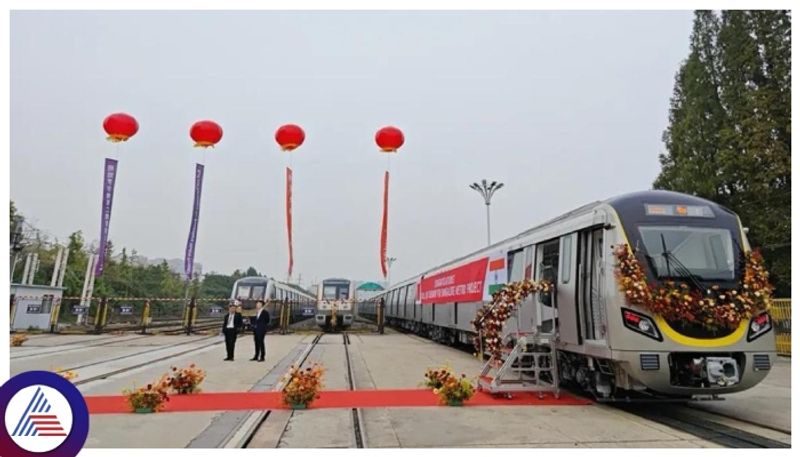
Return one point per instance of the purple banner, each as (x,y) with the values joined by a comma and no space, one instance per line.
(188,259)
(109,177)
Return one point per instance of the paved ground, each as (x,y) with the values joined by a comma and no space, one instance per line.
(385,361)
(768,404)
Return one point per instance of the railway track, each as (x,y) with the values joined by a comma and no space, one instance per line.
(679,417)
(358,420)
(75,346)
(214,340)
(285,417)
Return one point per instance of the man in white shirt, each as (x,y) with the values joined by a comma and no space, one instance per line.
(259,324)
(230,328)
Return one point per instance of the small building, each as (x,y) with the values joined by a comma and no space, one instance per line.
(32,305)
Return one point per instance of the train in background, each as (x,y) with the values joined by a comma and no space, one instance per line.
(604,344)
(335,304)
(248,290)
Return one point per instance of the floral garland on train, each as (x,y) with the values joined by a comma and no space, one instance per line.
(489,320)
(717,308)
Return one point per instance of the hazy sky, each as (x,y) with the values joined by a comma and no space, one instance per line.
(565,108)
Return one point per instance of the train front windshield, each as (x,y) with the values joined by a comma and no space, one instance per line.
(251,291)
(675,252)
(336,291)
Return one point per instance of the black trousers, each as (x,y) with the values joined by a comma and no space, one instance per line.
(261,350)
(230,341)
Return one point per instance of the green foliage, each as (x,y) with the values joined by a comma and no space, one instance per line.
(122,275)
(729,134)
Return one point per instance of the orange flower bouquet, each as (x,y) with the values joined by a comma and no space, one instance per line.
(186,380)
(302,386)
(450,389)
(18,339)
(148,399)
(66,374)
(435,379)
(455,391)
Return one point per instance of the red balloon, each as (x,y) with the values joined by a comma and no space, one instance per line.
(290,136)
(205,133)
(120,127)
(389,139)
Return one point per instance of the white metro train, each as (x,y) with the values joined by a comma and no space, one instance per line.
(604,343)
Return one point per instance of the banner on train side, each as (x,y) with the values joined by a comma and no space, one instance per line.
(461,284)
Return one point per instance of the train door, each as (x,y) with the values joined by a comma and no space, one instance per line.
(567,302)
(590,287)
(547,254)
(525,312)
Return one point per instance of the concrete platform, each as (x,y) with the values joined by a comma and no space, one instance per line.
(391,361)
(767,404)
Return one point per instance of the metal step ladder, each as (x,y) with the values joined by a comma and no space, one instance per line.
(529,365)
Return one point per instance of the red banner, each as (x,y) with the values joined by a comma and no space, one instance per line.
(289,216)
(385,223)
(461,284)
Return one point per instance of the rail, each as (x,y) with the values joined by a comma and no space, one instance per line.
(781,313)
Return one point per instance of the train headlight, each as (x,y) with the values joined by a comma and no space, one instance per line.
(641,324)
(759,325)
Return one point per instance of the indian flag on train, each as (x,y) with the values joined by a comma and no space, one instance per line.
(496,274)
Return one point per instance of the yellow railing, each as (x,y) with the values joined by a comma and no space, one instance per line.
(781,313)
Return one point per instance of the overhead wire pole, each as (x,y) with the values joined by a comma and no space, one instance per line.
(487,191)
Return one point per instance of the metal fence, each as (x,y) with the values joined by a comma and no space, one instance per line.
(781,313)
(117,313)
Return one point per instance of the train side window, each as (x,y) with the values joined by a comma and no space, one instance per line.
(529,262)
(516,266)
(455,313)
(566,256)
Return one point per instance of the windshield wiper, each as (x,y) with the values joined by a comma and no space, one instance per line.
(682,270)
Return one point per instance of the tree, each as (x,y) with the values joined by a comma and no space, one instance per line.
(696,117)
(729,136)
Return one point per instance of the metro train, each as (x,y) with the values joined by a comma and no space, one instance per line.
(248,290)
(335,304)
(604,344)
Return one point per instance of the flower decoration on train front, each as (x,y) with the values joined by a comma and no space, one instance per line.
(713,309)
(489,320)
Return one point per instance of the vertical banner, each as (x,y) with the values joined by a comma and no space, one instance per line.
(289,216)
(385,223)
(109,178)
(188,259)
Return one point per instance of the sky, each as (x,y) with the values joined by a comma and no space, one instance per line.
(565,108)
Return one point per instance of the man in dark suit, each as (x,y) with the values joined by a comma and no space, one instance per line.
(259,324)
(230,328)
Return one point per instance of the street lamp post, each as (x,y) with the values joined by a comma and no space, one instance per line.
(486,191)
(389,262)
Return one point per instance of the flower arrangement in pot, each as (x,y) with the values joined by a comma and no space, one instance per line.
(302,386)
(455,391)
(434,379)
(66,374)
(186,380)
(18,339)
(452,390)
(148,399)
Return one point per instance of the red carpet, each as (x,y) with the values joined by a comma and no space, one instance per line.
(398,398)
